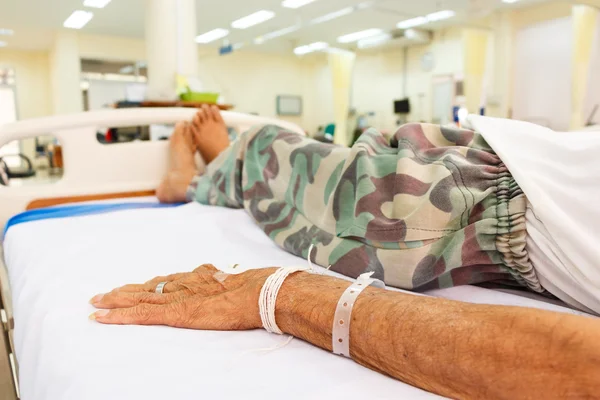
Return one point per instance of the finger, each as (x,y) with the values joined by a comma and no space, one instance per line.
(216,114)
(206,268)
(150,286)
(168,278)
(129,299)
(143,314)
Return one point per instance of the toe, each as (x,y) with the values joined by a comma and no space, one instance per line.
(216,115)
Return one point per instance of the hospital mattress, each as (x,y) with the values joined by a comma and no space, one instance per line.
(57,265)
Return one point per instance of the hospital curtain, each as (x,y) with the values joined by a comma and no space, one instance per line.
(341,64)
(585,19)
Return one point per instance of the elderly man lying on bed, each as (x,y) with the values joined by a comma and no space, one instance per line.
(430,208)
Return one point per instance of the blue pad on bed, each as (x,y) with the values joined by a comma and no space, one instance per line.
(78,210)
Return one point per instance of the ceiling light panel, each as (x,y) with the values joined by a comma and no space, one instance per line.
(6,32)
(296,3)
(253,19)
(440,15)
(276,34)
(3,44)
(353,37)
(309,48)
(211,36)
(374,41)
(78,19)
(96,3)
(411,23)
(333,15)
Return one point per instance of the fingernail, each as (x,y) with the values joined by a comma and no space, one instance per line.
(101,313)
(97,299)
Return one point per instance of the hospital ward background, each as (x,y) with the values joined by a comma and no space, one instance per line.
(91,92)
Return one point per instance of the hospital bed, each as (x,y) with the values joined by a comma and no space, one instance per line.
(51,267)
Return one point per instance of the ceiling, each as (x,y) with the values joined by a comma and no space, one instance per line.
(34,21)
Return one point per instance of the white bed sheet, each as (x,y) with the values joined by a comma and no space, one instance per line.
(56,266)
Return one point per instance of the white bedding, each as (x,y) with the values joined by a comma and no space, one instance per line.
(56,266)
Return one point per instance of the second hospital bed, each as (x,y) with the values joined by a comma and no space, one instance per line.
(52,266)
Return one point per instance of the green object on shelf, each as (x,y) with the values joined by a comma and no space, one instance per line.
(200,97)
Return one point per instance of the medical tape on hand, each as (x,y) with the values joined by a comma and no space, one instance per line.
(268,297)
(340,337)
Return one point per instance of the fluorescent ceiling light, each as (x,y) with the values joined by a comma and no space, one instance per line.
(309,48)
(295,3)
(353,37)
(374,41)
(253,19)
(78,19)
(364,5)
(509,1)
(440,15)
(410,23)
(3,44)
(129,69)
(96,3)
(211,36)
(6,32)
(276,34)
(333,15)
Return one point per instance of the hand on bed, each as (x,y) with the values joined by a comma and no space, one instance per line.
(205,299)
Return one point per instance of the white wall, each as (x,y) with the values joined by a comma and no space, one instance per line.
(542,81)
(448,54)
(32,81)
(251,81)
(379,80)
(111,48)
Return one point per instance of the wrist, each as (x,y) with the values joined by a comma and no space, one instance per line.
(306,306)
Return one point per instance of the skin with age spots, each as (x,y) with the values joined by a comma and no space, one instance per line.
(491,352)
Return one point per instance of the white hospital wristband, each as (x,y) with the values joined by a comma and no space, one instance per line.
(340,337)
(268,297)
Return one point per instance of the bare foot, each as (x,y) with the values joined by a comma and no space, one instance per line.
(182,167)
(210,132)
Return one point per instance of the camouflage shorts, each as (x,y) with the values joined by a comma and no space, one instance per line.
(431,208)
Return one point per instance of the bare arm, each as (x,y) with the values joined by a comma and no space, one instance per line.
(455,349)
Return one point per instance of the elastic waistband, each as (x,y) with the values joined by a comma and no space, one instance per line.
(512,231)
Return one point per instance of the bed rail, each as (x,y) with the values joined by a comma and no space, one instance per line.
(92,168)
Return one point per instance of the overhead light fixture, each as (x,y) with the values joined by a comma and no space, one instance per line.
(295,3)
(374,41)
(78,19)
(509,1)
(440,15)
(253,19)
(128,69)
(410,23)
(276,34)
(3,44)
(310,48)
(436,16)
(333,15)
(6,32)
(96,3)
(353,37)
(211,36)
